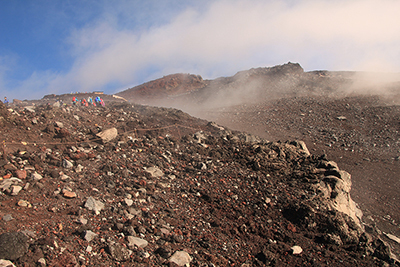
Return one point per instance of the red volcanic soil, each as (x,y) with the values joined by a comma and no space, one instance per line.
(168,86)
(360,133)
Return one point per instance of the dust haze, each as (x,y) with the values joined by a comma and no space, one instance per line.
(128,44)
(266,84)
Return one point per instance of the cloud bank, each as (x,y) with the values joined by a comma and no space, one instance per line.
(223,37)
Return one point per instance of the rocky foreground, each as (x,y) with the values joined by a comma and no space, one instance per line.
(129,185)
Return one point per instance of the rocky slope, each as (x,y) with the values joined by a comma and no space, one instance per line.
(168,87)
(191,92)
(131,185)
(353,117)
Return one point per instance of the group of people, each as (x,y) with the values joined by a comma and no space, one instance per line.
(96,102)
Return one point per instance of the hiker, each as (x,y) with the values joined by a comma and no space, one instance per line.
(97,100)
(84,103)
(6,101)
(74,100)
(90,100)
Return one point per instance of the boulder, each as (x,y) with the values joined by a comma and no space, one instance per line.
(119,252)
(6,263)
(135,241)
(13,245)
(181,258)
(94,205)
(108,135)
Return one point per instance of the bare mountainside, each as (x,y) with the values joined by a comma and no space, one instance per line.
(132,185)
(137,185)
(192,93)
(353,117)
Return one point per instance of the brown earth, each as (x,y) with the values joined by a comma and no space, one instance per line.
(366,143)
(352,117)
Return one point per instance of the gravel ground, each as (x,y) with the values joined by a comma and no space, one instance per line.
(360,133)
(168,189)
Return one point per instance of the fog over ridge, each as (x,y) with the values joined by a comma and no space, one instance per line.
(216,39)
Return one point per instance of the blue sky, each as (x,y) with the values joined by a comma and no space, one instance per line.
(62,46)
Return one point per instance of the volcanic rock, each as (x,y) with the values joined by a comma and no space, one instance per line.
(20,174)
(181,258)
(135,241)
(13,245)
(119,252)
(296,250)
(108,135)
(6,263)
(94,205)
(89,235)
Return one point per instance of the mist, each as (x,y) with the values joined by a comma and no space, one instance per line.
(117,48)
(266,84)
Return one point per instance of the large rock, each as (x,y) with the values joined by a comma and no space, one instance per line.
(67,164)
(155,172)
(88,235)
(337,191)
(119,252)
(181,258)
(6,263)
(135,241)
(94,205)
(13,245)
(108,135)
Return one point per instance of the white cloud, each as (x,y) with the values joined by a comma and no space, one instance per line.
(228,36)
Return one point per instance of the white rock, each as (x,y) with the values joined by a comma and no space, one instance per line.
(30,109)
(15,190)
(24,203)
(181,258)
(42,262)
(59,124)
(6,184)
(79,168)
(135,241)
(81,220)
(36,176)
(64,177)
(6,263)
(67,164)
(108,135)
(393,237)
(95,205)
(296,250)
(89,235)
(128,202)
(154,171)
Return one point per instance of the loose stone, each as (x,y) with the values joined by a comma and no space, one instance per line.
(181,258)
(296,250)
(135,241)
(94,205)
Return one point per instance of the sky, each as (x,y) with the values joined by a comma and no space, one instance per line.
(64,46)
